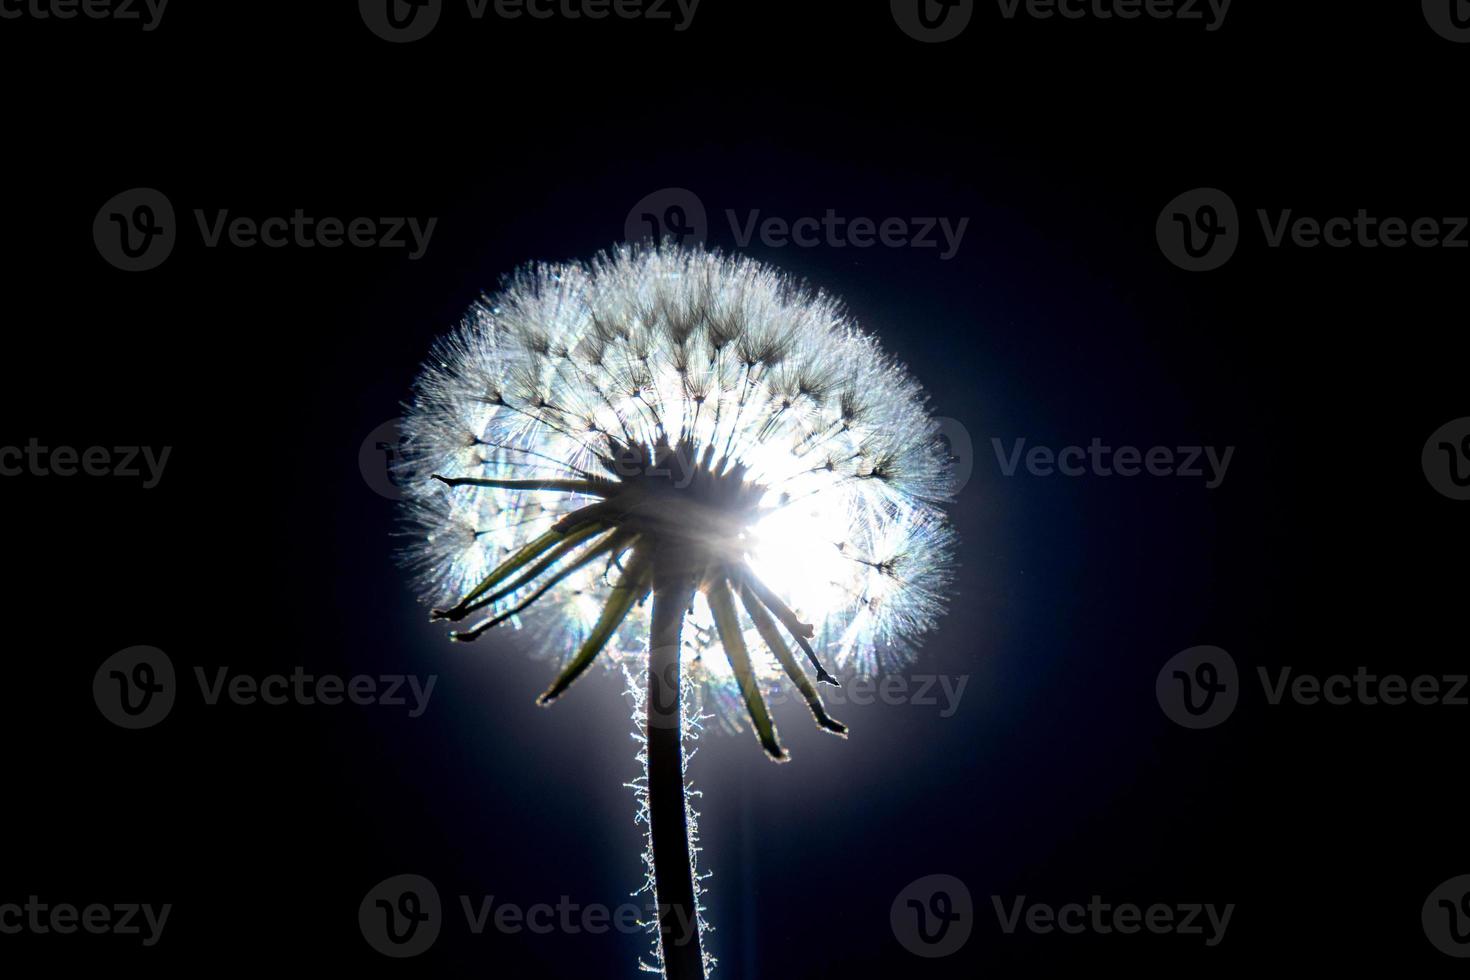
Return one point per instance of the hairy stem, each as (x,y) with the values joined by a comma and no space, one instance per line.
(673,869)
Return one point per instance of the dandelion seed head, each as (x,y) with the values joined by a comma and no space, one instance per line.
(821,467)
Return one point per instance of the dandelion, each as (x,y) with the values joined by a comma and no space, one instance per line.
(697,428)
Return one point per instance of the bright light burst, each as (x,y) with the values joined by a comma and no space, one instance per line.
(546,431)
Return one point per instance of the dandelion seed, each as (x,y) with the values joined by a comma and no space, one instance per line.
(701,429)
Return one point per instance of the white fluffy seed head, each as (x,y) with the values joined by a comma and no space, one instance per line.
(650,345)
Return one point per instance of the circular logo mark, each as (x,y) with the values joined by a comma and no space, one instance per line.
(400,916)
(933,916)
(134,688)
(380,460)
(1446,459)
(674,213)
(1446,917)
(1198,230)
(932,21)
(960,449)
(1198,687)
(1449,18)
(135,230)
(400,21)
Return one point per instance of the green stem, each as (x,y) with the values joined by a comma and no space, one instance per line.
(668,818)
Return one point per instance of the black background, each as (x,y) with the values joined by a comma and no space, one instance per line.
(264,547)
